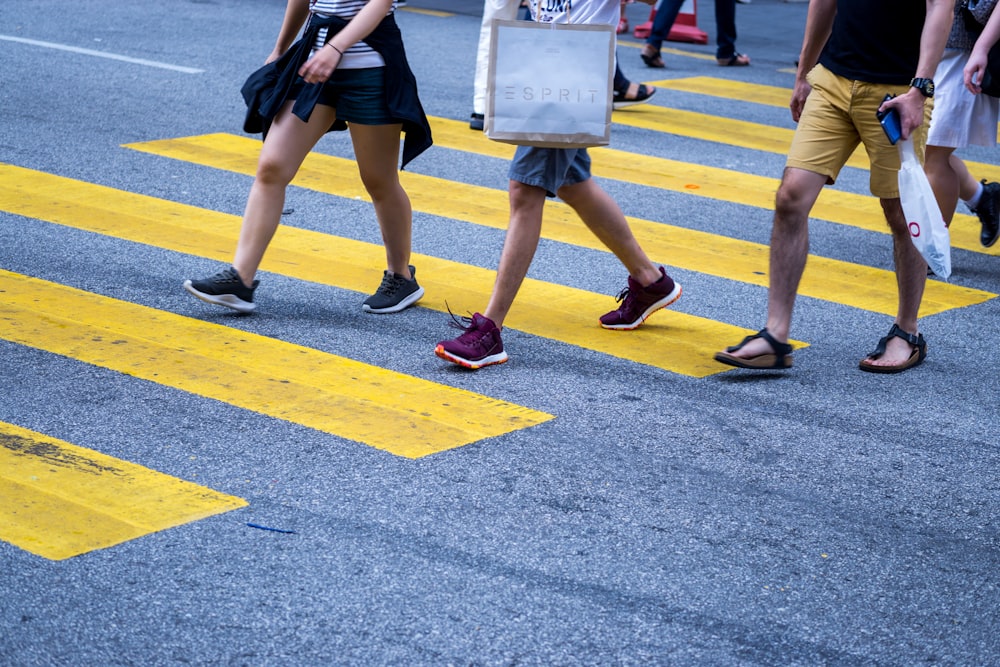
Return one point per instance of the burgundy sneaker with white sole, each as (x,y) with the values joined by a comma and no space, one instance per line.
(479,346)
(638,302)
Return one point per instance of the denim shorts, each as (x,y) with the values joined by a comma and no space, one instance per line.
(358,95)
(549,168)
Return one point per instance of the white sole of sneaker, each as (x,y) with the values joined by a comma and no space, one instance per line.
(402,305)
(662,303)
(226,300)
(491,360)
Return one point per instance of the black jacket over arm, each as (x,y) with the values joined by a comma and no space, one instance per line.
(267,89)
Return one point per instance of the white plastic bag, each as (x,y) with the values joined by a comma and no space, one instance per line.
(923,217)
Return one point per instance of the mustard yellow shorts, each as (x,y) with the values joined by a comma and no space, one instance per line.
(838,115)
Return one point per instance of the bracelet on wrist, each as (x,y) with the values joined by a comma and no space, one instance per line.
(330,44)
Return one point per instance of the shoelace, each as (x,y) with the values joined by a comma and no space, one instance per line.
(390,283)
(227,276)
(458,322)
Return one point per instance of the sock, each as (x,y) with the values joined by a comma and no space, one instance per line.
(973,201)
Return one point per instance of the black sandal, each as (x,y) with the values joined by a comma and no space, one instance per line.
(918,355)
(620,99)
(655,61)
(780,359)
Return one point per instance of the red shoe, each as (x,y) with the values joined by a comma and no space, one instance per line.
(622,25)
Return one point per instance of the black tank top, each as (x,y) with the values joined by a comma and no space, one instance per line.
(875,41)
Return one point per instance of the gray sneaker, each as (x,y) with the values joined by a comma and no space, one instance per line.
(394,294)
(225,288)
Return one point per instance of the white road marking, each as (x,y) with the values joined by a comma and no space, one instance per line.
(102,54)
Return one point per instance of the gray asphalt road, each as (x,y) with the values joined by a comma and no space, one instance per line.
(823,516)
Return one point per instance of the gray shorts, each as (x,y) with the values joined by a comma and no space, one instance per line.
(549,168)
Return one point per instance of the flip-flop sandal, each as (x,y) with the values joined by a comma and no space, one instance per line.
(655,61)
(737,60)
(620,99)
(918,355)
(780,359)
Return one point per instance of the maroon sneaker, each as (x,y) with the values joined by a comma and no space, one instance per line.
(479,346)
(638,302)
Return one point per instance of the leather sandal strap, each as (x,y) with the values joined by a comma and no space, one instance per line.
(781,350)
(914,340)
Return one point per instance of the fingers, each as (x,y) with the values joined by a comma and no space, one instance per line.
(972,78)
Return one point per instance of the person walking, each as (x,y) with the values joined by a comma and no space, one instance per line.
(726,54)
(536,173)
(975,70)
(962,118)
(348,70)
(839,86)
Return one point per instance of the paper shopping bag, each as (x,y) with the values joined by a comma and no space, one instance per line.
(550,84)
(923,216)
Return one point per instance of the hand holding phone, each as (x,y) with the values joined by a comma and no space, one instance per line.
(890,122)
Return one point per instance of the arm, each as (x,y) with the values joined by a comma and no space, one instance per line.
(937,25)
(819,24)
(296,13)
(976,67)
(321,66)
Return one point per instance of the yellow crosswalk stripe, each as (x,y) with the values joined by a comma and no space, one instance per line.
(832,280)
(768,138)
(671,340)
(772,96)
(58,500)
(398,413)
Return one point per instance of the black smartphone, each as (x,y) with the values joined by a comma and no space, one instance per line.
(890,122)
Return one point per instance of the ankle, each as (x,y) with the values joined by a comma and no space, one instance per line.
(243,280)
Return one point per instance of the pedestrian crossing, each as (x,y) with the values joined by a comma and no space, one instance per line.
(58,500)
(558,312)
(827,279)
(360,402)
(332,394)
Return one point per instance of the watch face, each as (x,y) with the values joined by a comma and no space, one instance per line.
(925,86)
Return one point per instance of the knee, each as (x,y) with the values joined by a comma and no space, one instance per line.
(380,185)
(273,172)
(790,203)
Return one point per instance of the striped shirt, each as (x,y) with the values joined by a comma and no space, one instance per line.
(358,56)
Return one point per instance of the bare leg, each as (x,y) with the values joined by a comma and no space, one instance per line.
(789,251)
(288,142)
(523,232)
(911,276)
(605,219)
(938,165)
(376,148)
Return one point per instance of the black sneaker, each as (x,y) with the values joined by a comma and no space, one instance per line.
(394,294)
(225,288)
(476,121)
(988,213)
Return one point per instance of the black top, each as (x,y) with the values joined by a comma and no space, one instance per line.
(267,89)
(875,41)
